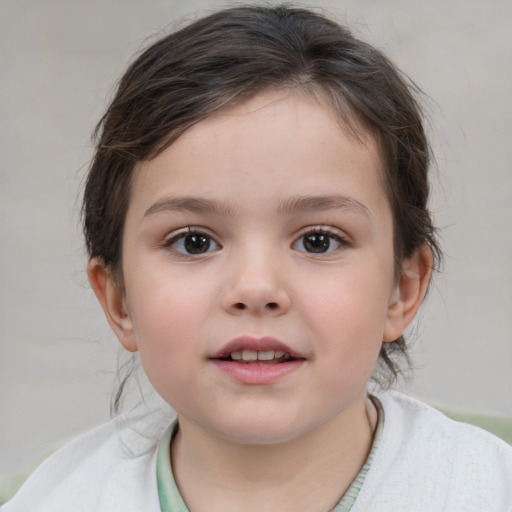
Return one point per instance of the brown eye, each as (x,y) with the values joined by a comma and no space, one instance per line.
(316,242)
(319,242)
(196,244)
(192,244)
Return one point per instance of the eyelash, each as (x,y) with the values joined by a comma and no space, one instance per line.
(340,240)
(182,235)
(320,232)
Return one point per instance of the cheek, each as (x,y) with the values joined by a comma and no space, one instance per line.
(347,314)
(169,299)
(168,314)
(353,298)
(167,349)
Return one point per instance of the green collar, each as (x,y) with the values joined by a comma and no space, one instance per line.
(168,493)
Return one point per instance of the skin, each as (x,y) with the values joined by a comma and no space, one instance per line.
(263,446)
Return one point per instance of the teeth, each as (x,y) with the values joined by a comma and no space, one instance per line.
(258,355)
(265,355)
(249,355)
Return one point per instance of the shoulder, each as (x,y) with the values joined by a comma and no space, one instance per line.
(106,469)
(422,424)
(429,462)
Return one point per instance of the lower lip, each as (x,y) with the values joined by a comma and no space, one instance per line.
(247,373)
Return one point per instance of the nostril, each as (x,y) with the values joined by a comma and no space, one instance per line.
(268,306)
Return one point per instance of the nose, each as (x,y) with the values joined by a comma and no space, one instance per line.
(256,287)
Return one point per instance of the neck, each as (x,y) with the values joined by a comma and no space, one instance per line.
(310,473)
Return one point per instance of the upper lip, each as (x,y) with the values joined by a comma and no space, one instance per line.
(252,343)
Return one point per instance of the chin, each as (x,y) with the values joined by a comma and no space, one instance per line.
(259,432)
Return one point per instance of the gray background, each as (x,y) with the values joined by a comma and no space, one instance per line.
(58,63)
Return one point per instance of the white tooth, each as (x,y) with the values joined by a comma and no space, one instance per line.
(287,356)
(279,354)
(236,356)
(265,355)
(250,355)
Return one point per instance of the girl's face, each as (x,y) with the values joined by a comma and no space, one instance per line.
(263,232)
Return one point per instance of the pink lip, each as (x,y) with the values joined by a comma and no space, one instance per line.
(257,372)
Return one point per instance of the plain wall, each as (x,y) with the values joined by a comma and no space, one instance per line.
(58,63)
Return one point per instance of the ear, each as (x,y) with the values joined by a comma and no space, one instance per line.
(409,293)
(112,300)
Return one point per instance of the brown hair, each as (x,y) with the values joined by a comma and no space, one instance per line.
(231,56)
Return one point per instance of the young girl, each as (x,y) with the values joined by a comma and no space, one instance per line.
(257,225)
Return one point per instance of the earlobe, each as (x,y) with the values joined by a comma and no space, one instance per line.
(409,293)
(112,300)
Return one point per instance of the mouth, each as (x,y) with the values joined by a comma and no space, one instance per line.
(251,350)
(257,361)
(248,356)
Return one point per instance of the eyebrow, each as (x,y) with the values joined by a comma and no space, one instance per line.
(292,205)
(191,204)
(322,203)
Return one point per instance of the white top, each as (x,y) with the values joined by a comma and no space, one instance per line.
(427,462)
(423,462)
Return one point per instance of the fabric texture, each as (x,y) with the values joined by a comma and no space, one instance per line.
(423,462)
(427,462)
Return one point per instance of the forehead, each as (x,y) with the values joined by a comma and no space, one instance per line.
(250,162)
(272,132)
